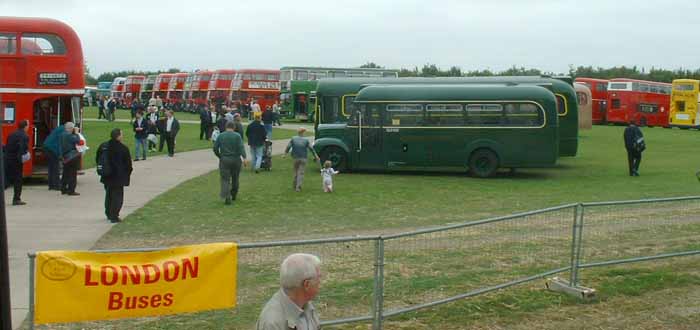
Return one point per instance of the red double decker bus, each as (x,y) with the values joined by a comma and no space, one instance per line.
(219,89)
(147,87)
(599,92)
(41,80)
(160,87)
(132,89)
(645,103)
(198,88)
(263,86)
(176,90)
(118,89)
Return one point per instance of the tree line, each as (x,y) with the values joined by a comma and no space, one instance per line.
(432,70)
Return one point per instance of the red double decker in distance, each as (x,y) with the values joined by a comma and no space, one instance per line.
(132,89)
(198,88)
(645,103)
(219,89)
(599,93)
(176,89)
(160,87)
(260,85)
(41,81)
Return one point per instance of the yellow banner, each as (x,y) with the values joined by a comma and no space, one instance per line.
(74,286)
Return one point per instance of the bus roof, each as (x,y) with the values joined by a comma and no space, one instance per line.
(685,80)
(438,93)
(590,79)
(257,71)
(335,69)
(639,81)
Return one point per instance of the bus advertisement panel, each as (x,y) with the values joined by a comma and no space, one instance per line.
(685,101)
(335,97)
(42,81)
(479,128)
(263,86)
(599,92)
(645,103)
(297,86)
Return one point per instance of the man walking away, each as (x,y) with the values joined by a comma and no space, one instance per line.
(119,175)
(16,153)
(268,118)
(71,159)
(228,147)
(299,146)
(101,107)
(52,147)
(256,140)
(291,307)
(203,123)
(634,143)
(170,128)
(141,136)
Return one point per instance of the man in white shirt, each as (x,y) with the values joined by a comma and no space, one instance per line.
(169,132)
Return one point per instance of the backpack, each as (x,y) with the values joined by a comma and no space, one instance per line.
(104,168)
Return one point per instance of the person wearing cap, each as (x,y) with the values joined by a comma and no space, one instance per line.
(299,146)
(256,135)
(71,159)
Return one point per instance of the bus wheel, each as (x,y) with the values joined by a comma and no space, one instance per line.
(483,163)
(336,155)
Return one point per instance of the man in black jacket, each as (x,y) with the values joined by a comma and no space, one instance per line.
(140,135)
(71,159)
(634,144)
(169,128)
(256,135)
(119,174)
(17,146)
(203,123)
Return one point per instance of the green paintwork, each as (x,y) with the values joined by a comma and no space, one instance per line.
(568,124)
(297,88)
(376,145)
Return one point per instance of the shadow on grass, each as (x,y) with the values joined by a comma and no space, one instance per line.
(500,175)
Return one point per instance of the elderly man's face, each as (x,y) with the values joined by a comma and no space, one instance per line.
(313,286)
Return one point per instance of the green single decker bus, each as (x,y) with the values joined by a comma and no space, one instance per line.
(479,128)
(336,98)
(298,86)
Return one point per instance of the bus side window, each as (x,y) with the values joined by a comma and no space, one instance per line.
(8,43)
(484,115)
(445,115)
(404,115)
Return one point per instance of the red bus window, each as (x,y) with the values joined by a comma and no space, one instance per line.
(8,43)
(42,44)
(7,111)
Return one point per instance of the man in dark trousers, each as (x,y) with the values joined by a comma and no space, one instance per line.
(170,126)
(228,147)
(119,176)
(17,146)
(140,135)
(111,108)
(203,123)
(71,159)
(634,143)
(256,140)
(101,107)
(134,109)
(52,147)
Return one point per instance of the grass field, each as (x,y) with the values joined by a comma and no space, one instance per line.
(97,132)
(660,295)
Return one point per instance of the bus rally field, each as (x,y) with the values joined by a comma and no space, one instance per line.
(366,203)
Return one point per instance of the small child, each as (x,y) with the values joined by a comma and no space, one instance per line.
(327,173)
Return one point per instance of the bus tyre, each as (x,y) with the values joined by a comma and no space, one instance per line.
(336,155)
(483,163)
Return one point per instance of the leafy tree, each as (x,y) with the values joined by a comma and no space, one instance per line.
(371,65)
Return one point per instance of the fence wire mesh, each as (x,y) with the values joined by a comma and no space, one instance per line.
(348,277)
(616,232)
(423,268)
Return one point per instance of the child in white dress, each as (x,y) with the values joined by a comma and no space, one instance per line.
(327,173)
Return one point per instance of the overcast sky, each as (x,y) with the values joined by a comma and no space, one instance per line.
(489,34)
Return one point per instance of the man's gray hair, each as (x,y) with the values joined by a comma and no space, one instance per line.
(297,268)
(69,126)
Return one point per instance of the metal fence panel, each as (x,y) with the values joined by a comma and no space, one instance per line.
(432,266)
(636,230)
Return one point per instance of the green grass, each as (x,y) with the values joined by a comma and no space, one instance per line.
(439,265)
(91,113)
(97,132)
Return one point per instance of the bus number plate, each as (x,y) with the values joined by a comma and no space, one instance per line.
(682,116)
(392,130)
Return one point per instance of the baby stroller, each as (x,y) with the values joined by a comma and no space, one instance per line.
(266,163)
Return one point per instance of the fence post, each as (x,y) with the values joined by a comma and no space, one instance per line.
(378,304)
(576,244)
(32,262)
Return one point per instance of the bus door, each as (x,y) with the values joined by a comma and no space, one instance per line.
(300,106)
(369,148)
